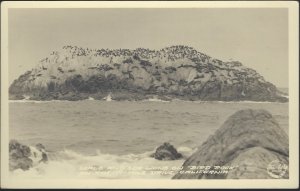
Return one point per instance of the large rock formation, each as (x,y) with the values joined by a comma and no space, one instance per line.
(251,141)
(166,152)
(24,157)
(74,73)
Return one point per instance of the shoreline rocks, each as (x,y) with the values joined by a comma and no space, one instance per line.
(249,140)
(24,157)
(19,156)
(166,152)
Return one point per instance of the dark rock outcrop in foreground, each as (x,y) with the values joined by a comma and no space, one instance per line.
(166,152)
(250,140)
(22,157)
(180,72)
(19,156)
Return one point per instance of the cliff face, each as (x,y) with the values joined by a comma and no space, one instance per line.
(251,141)
(175,72)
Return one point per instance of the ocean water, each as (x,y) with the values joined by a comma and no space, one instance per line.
(100,139)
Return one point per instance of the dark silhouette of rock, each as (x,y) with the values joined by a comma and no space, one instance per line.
(19,156)
(166,152)
(249,141)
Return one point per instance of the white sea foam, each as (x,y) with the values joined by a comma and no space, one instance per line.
(108,97)
(90,98)
(36,156)
(284,95)
(69,164)
(186,150)
(156,100)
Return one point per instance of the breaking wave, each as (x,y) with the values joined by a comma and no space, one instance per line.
(73,165)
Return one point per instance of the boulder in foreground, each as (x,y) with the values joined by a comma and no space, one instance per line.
(24,157)
(19,156)
(166,152)
(251,141)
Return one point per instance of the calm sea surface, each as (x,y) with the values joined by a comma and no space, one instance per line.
(92,132)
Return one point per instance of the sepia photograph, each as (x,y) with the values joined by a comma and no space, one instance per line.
(144,94)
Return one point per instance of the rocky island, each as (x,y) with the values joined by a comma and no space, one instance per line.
(176,72)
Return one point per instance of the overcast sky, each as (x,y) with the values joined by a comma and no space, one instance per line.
(256,37)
